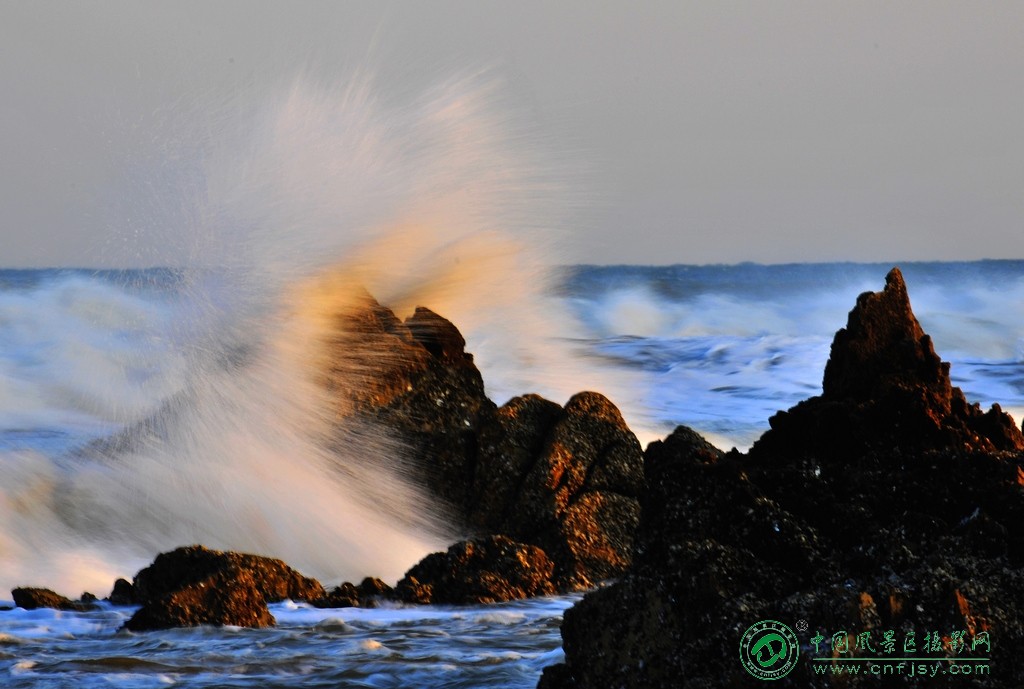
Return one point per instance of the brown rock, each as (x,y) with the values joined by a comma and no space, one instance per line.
(412,590)
(422,386)
(32,598)
(593,540)
(510,443)
(439,337)
(195,585)
(885,387)
(372,591)
(174,570)
(228,597)
(589,448)
(344,595)
(486,570)
(566,480)
(883,347)
(369,594)
(369,332)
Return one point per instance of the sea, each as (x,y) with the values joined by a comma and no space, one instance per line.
(130,425)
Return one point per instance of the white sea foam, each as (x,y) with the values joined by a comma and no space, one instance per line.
(231,441)
(723,348)
(80,353)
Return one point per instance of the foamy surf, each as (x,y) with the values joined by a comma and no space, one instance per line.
(722,348)
(192,412)
(503,645)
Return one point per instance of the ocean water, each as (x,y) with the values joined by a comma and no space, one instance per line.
(218,452)
(722,348)
(463,648)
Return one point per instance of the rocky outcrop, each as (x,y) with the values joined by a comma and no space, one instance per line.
(370,593)
(123,593)
(30,598)
(194,586)
(230,597)
(565,480)
(415,379)
(884,504)
(487,570)
(885,387)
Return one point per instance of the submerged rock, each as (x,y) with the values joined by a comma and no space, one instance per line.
(194,585)
(30,598)
(487,570)
(565,480)
(887,503)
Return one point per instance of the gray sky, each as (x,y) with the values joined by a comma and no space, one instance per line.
(709,131)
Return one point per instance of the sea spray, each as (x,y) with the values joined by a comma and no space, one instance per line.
(296,207)
(722,348)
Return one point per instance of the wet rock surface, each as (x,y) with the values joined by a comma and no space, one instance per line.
(885,388)
(194,585)
(486,570)
(225,598)
(369,593)
(887,503)
(123,593)
(30,598)
(566,480)
(422,387)
(549,495)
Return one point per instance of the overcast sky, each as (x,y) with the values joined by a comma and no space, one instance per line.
(710,131)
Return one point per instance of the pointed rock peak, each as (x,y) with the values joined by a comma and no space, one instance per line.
(438,335)
(885,387)
(894,283)
(883,347)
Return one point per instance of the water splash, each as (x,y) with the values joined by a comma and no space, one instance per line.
(296,207)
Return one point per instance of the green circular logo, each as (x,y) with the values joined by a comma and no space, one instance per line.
(768,650)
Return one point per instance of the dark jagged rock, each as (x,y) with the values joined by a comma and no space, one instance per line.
(422,386)
(32,598)
(883,347)
(850,514)
(368,594)
(344,595)
(439,337)
(509,444)
(563,479)
(485,570)
(567,480)
(885,387)
(372,590)
(123,593)
(195,585)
